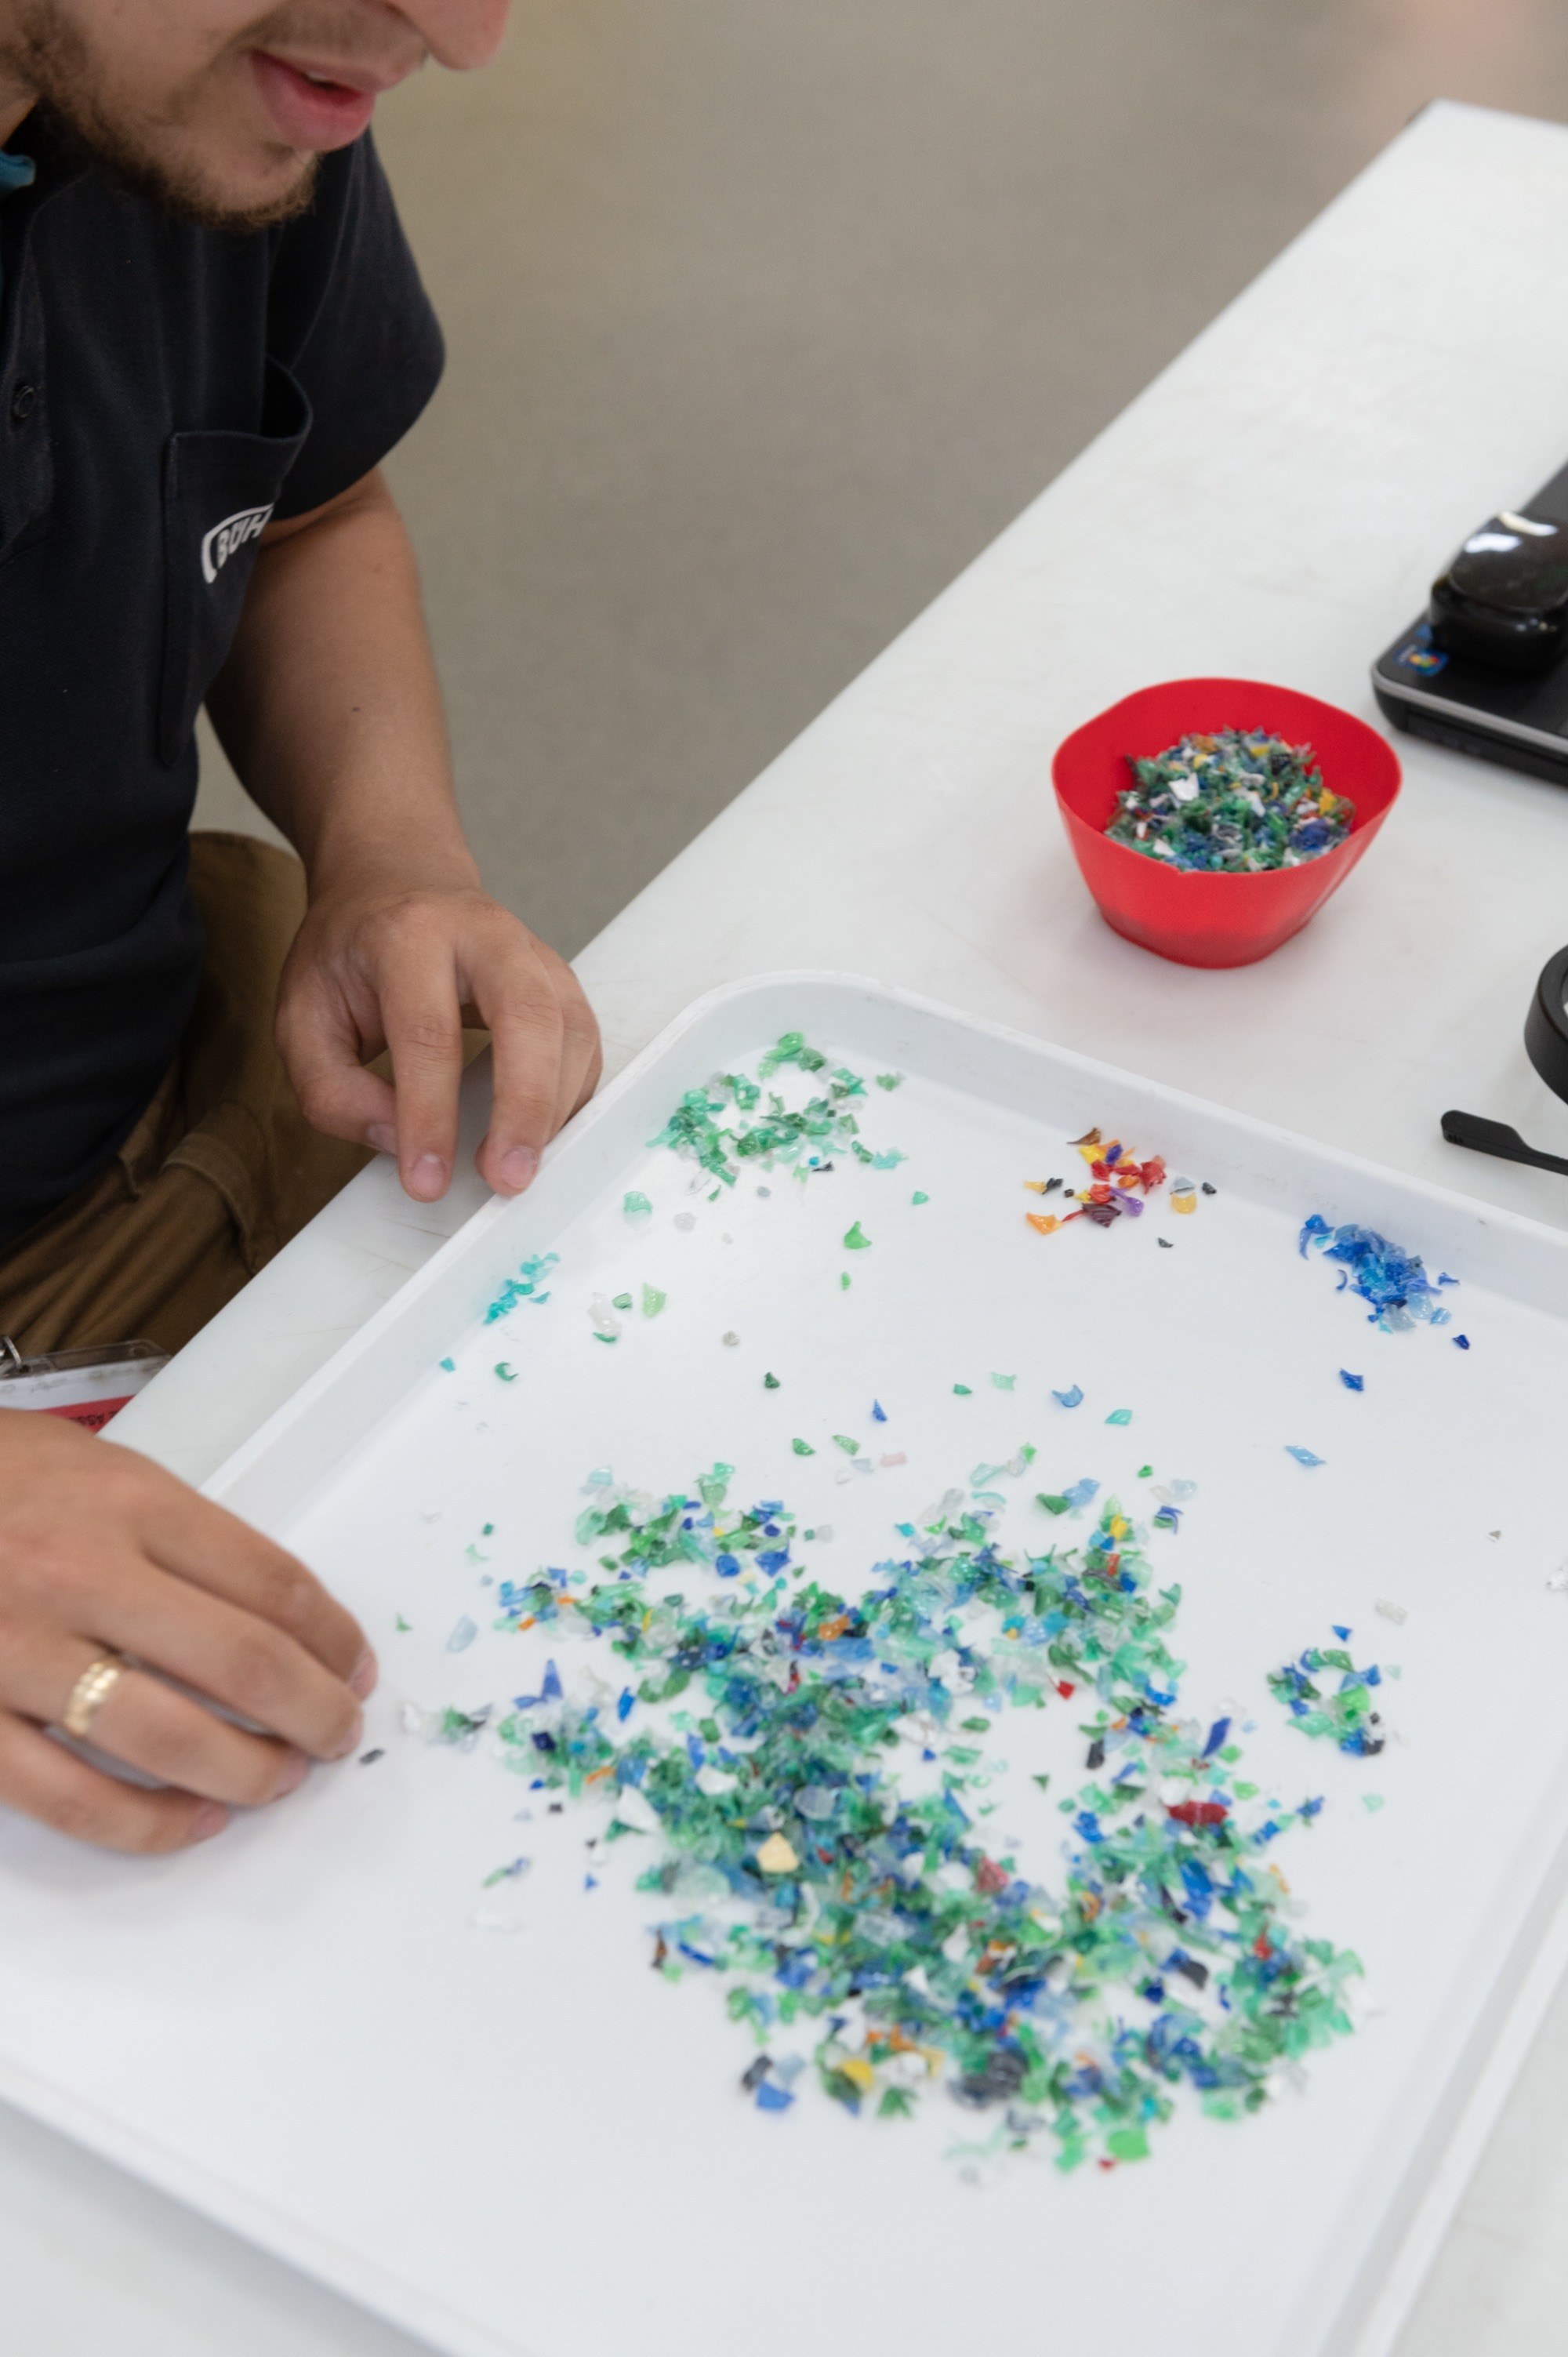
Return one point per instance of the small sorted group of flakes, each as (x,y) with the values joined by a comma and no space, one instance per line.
(1119,1184)
(1342,1713)
(524,1287)
(732,1120)
(1238,802)
(605,1313)
(807,1771)
(1394,1281)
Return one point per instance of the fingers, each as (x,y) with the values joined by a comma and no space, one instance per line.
(201,1543)
(546,1047)
(43,1780)
(421,1015)
(245,1664)
(146,1723)
(321,1047)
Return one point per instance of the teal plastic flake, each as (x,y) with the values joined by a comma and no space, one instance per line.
(524,1287)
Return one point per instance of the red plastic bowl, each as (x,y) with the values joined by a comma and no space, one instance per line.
(1205,919)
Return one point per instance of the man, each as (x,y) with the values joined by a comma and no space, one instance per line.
(211,332)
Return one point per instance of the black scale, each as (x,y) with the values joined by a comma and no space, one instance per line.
(1484,669)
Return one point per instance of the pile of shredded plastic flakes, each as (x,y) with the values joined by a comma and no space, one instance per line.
(1235,804)
(1394,1281)
(800,1775)
(727,1121)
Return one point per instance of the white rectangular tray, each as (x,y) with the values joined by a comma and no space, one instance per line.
(531,2143)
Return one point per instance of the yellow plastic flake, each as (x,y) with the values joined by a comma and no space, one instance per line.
(858,2072)
(776,1857)
(1184,1200)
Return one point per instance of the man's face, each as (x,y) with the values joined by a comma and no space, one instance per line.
(219,113)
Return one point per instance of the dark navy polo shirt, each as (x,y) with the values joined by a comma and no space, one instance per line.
(164,390)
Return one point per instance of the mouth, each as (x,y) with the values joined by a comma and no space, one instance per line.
(317,108)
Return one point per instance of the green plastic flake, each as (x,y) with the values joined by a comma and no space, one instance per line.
(403,1626)
(637,1207)
(506,1371)
(799,1853)
(1120,1416)
(653,1300)
(802,1448)
(770,1382)
(623,1301)
(889,1079)
(1053,1502)
(1004,1382)
(850,1447)
(1236,802)
(450,1366)
(856,1239)
(963,1390)
(844,1281)
(727,1123)
(917,1197)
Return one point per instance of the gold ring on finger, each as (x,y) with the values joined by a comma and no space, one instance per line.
(91,1692)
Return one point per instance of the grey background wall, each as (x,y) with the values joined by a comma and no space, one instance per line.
(765,315)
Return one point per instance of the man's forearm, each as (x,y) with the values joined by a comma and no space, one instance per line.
(330,710)
(329,706)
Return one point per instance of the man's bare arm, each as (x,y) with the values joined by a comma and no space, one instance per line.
(330,710)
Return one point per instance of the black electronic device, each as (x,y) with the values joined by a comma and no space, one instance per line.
(1484,669)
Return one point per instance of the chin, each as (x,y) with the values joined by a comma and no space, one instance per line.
(277,185)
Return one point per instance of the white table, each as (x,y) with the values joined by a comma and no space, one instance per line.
(1273,506)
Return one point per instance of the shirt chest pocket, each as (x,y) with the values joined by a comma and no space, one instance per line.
(220,490)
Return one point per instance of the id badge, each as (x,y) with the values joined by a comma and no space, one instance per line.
(88,1386)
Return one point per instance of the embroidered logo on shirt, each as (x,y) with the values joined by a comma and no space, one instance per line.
(220,544)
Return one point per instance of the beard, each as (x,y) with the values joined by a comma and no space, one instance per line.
(47,52)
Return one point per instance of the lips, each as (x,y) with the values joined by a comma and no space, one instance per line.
(307,113)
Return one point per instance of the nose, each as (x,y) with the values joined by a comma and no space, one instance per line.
(459,34)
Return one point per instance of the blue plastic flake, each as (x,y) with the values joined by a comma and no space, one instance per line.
(879,1413)
(1302,1456)
(462,1636)
(1073,1398)
(1352,1382)
(1395,1282)
(1461,1341)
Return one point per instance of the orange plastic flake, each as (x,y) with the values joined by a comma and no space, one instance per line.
(1046,1223)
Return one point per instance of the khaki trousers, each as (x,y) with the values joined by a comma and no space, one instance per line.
(220,1170)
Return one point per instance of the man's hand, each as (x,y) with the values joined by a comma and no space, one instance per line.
(101,1551)
(328,709)
(393,965)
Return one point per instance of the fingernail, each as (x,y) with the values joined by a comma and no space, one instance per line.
(209,1819)
(520,1166)
(363,1681)
(428,1177)
(291,1776)
(382,1137)
(349,1740)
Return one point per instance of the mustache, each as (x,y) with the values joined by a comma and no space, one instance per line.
(349,32)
